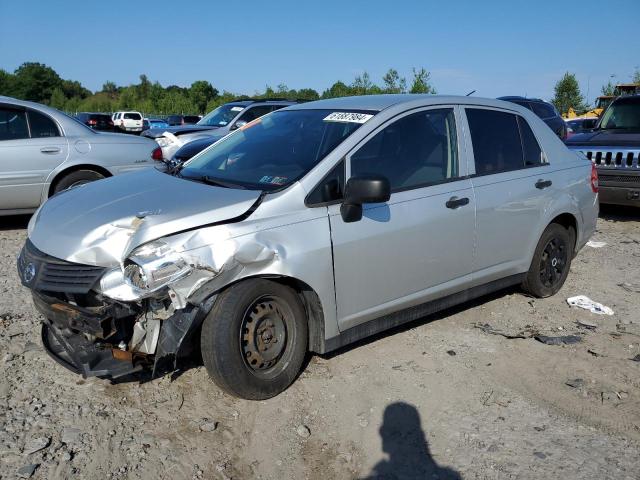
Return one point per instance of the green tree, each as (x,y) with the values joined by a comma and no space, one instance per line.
(58,99)
(109,88)
(608,89)
(7,83)
(307,94)
(72,88)
(421,83)
(338,89)
(362,85)
(393,83)
(36,82)
(201,93)
(635,78)
(567,95)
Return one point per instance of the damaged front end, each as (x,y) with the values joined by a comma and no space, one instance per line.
(134,326)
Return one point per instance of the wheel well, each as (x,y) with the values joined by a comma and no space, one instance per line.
(94,168)
(313,307)
(567,220)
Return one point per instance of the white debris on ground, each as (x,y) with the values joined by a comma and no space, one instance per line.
(588,304)
(594,244)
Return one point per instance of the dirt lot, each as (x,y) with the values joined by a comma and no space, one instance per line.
(441,398)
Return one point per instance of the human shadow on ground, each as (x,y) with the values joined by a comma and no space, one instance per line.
(405,443)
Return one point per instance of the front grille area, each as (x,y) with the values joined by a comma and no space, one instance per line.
(43,272)
(613,158)
(630,180)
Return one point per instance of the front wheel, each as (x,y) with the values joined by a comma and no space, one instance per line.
(551,261)
(254,339)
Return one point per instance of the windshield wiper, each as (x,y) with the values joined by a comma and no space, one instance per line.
(216,182)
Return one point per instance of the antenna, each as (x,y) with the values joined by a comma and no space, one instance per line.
(470,93)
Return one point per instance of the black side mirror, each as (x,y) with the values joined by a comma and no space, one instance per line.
(360,190)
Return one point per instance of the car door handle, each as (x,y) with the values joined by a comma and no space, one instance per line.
(50,149)
(455,202)
(540,184)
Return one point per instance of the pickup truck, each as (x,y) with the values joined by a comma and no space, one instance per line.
(613,145)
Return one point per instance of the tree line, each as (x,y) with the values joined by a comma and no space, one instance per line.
(40,83)
(567,93)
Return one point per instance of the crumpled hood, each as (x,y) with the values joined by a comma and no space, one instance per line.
(101,222)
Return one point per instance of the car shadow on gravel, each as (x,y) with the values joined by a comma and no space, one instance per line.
(14,222)
(405,443)
(619,213)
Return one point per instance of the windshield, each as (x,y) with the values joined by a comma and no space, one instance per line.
(221,116)
(274,151)
(623,114)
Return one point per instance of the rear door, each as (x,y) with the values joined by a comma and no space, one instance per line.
(31,146)
(512,184)
(419,244)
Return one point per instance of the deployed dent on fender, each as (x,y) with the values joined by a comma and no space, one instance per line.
(101,222)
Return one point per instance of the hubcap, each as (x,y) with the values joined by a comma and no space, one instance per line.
(553,262)
(263,334)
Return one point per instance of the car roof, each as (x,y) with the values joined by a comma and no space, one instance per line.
(628,99)
(511,98)
(382,102)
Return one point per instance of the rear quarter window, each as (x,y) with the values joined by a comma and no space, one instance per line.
(42,126)
(543,110)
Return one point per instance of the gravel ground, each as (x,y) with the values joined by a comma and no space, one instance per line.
(446,397)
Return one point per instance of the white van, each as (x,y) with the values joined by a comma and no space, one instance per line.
(127,121)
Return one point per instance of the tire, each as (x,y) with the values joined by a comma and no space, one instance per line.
(266,357)
(551,261)
(73,179)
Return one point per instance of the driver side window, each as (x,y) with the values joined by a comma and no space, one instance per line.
(256,112)
(416,151)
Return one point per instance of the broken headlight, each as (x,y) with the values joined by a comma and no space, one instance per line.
(153,266)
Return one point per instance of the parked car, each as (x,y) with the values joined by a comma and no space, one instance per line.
(579,125)
(190,149)
(310,228)
(544,110)
(215,124)
(128,122)
(96,121)
(43,151)
(148,123)
(613,145)
(174,120)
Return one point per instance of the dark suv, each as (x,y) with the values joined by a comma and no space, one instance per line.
(614,146)
(175,120)
(545,111)
(96,121)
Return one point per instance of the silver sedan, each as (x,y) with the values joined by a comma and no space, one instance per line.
(44,151)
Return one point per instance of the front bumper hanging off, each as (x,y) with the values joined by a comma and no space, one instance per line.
(93,343)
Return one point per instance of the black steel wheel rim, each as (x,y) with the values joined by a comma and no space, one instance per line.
(264,335)
(553,262)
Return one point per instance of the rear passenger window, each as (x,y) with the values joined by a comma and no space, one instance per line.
(496,141)
(13,124)
(532,151)
(42,126)
(255,112)
(543,110)
(417,150)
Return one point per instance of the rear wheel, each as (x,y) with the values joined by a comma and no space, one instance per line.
(74,179)
(551,261)
(254,339)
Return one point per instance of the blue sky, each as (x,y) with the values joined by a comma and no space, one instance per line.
(495,47)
